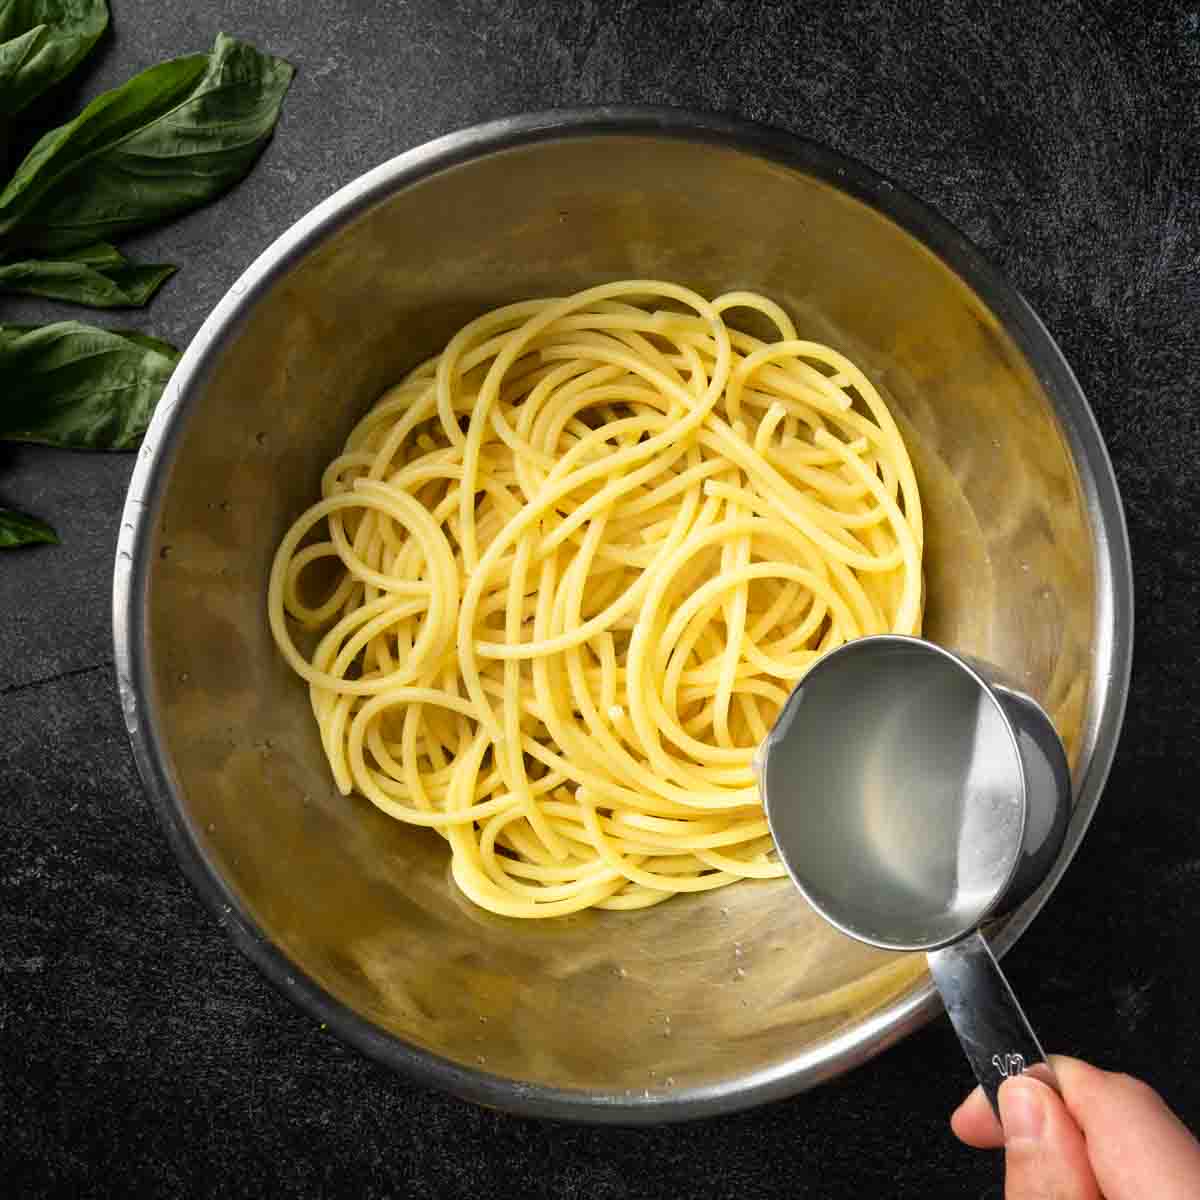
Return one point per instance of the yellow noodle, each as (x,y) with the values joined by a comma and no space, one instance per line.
(566,573)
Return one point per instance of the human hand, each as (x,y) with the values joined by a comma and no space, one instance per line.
(1108,1137)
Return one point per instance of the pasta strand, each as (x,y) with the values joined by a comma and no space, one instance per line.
(563,576)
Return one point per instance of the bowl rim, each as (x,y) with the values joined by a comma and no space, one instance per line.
(1113,619)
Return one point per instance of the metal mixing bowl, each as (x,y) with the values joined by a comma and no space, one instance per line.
(706,1003)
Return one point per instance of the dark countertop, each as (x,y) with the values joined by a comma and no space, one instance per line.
(140,1054)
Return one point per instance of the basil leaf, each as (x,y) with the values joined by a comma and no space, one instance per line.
(149,343)
(170,139)
(41,43)
(98,275)
(20,529)
(70,384)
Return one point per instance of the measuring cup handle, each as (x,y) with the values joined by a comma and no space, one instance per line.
(994,1033)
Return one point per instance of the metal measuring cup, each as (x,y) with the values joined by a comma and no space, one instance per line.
(913,795)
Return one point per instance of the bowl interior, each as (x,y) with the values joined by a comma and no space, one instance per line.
(703,993)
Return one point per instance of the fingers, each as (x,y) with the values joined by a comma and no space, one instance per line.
(974,1122)
(1136,1145)
(1045,1155)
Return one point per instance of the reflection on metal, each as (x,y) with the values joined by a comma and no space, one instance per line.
(352,914)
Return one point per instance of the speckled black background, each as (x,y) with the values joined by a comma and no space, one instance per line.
(141,1055)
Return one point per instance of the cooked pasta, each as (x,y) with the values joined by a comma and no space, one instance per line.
(568,572)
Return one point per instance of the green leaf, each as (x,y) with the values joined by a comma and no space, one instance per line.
(98,275)
(41,43)
(20,529)
(98,254)
(70,384)
(150,343)
(172,138)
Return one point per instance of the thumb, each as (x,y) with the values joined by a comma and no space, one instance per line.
(1045,1155)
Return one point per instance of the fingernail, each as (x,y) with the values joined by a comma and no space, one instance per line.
(1021,1111)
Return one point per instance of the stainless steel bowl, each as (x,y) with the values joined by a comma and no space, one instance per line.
(707,1003)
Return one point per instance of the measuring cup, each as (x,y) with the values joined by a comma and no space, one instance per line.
(913,795)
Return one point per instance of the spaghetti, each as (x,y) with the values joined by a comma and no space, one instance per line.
(579,560)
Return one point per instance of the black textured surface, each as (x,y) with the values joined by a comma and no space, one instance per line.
(141,1055)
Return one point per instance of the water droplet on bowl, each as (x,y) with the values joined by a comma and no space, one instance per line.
(165,552)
